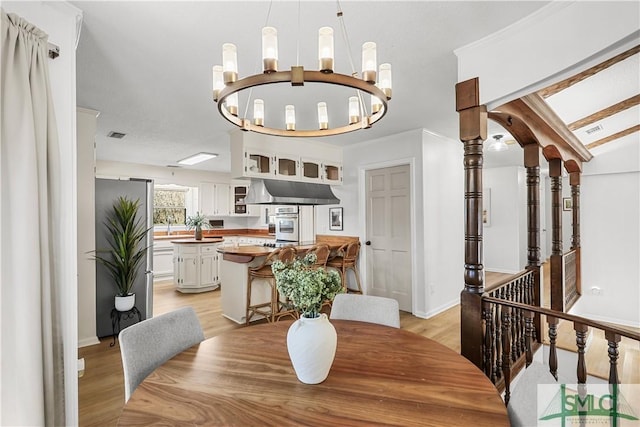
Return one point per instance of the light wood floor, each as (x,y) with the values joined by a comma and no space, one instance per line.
(101,389)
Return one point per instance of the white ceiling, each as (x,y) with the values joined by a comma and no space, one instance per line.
(146,66)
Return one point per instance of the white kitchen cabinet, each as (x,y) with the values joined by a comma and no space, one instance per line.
(288,167)
(237,206)
(195,267)
(214,199)
(332,173)
(162,259)
(263,156)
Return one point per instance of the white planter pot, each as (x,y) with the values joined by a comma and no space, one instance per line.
(125,303)
(312,347)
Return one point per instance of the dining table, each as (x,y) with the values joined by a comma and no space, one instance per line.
(380,376)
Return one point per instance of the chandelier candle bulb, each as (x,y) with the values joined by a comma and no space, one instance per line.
(325,49)
(232,104)
(376,104)
(323,116)
(369,62)
(218,82)
(290,117)
(269,49)
(385,79)
(354,110)
(229,63)
(258,112)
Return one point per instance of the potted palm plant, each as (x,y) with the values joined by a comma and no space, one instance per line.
(127,251)
(198,222)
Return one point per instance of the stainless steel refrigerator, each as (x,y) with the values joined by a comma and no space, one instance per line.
(107,191)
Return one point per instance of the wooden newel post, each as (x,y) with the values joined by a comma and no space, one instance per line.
(574,182)
(557,267)
(473,132)
(532,165)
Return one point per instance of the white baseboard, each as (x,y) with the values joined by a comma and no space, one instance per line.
(500,270)
(576,310)
(85,342)
(442,307)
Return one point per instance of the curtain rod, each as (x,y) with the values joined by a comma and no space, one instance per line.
(54,50)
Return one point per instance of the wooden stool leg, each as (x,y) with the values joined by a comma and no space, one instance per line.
(274,300)
(247,315)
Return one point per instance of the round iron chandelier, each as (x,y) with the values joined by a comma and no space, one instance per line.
(374,81)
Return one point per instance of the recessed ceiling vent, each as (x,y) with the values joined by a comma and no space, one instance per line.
(118,135)
(594,129)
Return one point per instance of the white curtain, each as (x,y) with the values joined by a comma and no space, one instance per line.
(32,380)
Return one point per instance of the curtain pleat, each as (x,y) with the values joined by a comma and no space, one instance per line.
(32,372)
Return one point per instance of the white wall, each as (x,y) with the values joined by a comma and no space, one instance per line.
(58,19)
(86,228)
(437,210)
(610,234)
(505,239)
(443,207)
(159,174)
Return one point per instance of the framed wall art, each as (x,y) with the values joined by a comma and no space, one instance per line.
(335,219)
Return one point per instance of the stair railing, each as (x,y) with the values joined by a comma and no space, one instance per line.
(506,310)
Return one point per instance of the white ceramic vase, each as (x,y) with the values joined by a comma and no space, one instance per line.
(125,303)
(312,346)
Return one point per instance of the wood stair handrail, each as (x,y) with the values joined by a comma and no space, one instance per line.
(566,316)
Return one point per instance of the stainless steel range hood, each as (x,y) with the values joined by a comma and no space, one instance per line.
(276,192)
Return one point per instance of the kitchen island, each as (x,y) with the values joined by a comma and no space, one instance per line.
(196,264)
(236,260)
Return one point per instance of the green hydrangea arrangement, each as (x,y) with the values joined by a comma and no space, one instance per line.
(306,287)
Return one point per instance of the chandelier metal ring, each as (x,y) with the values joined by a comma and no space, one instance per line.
(297,78)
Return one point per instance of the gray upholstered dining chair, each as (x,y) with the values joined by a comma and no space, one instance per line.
(366,308)
(146,345)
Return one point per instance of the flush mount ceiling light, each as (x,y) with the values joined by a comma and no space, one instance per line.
(226,86)
(197,158)
(497,144)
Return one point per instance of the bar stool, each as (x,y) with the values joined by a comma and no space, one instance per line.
(287,255)
(270,309)
(348,260)
(322,252)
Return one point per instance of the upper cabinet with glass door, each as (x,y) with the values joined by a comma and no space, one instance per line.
(292,159)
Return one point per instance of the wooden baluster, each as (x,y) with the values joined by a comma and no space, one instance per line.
(553,354)
(487,359)
(498,341)
(517,317)
(523,324)
(581,342)
(613,340)
(528,318)
(506,351)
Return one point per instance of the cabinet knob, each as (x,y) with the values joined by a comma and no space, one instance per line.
(368,243)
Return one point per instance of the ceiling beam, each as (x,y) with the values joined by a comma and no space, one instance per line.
(613,137)
(607,112)
(555,88)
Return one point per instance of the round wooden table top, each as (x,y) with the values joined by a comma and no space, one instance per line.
(380,375)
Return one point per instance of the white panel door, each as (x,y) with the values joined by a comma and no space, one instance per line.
(388,196)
